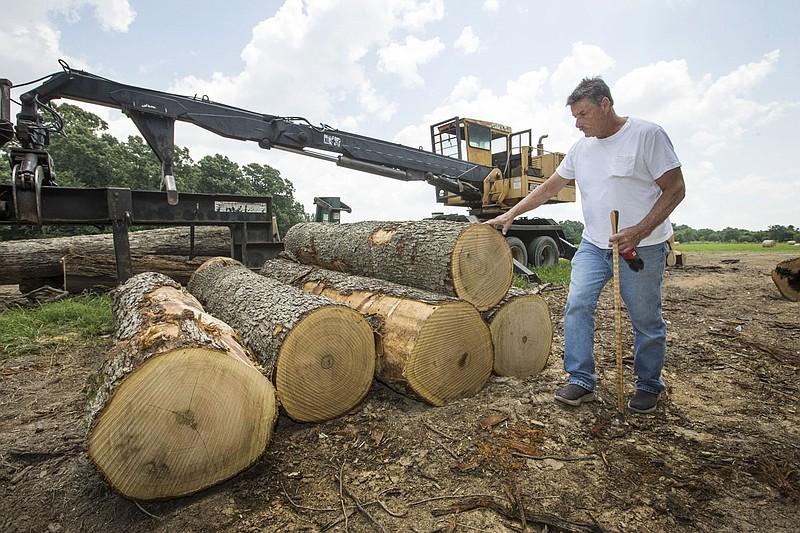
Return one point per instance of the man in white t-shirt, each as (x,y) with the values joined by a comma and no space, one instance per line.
(627,165)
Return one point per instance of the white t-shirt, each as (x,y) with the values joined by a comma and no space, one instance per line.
(619,173)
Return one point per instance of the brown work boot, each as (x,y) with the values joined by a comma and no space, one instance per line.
(573,394)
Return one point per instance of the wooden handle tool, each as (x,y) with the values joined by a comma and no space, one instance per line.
(617,317)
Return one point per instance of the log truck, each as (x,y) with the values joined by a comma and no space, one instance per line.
(479,165)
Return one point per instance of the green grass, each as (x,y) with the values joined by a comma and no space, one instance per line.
(556,274)
(750,247)
(29,331)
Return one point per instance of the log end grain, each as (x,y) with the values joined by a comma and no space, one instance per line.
(326,364)
(184,421)
(453,355)
(481,266)
(522,333)
(786,276)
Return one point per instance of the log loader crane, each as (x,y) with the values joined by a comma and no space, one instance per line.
(479,165)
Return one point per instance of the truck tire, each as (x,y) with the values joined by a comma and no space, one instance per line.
(543,251)
(518,250)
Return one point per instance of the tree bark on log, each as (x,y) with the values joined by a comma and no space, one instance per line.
(522,333)
(468,261)
(179,405)
(429,346)
(87,272)
(35,259)
(786,276)
(320,353)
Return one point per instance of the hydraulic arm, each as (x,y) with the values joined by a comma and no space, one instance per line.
(155,113)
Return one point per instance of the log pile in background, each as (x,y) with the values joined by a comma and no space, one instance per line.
(522,333)
(675,258)
(179,405)
(321,354)
(86,272)
(786,276)
(33,263)
(433,347)
(469,261)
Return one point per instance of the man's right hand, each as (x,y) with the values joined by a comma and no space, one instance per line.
(503,220)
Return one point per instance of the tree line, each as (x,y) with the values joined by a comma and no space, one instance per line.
(684,233)
(86,155)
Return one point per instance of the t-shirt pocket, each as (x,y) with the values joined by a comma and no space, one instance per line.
(622,166)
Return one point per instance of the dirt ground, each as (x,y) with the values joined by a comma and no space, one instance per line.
(721,453)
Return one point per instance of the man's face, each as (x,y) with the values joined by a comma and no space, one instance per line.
(590,118)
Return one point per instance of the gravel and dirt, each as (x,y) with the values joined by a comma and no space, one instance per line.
(721,453)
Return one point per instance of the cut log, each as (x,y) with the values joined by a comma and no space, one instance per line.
(179,404)
(319,353)
(786,276)
(522,333)
(432,347)
(40,259)
(671,252)
(469,261)
(88,272)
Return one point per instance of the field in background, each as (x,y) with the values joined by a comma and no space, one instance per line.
(750,247)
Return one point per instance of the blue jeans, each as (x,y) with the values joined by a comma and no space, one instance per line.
(592,268)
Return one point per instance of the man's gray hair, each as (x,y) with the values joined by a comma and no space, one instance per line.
(595,89)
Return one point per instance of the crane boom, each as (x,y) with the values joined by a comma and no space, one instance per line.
(155,113)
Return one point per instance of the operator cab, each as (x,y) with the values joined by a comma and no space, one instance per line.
(523,167)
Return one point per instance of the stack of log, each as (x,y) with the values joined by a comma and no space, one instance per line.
(426,307)
(429,346)
(470,262)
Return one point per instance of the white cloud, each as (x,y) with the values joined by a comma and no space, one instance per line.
(404,59)
(737,201)
(28,35)
(418,14)
(491,5)
(311,58)
(374,103)
(467,42)
(584,60)
(114,15)
(711,114)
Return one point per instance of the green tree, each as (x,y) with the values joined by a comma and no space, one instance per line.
(782,233)
(218,174)
(83,154)
(729,235)
(572,230)
(139,167)
(267,180)
(684,233)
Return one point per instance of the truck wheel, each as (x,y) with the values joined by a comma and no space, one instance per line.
(518,250)
(543,251)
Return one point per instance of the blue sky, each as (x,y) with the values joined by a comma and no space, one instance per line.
(720,76)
